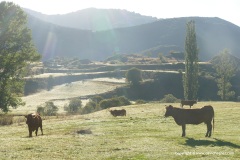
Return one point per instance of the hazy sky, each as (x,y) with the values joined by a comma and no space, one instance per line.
(225,9)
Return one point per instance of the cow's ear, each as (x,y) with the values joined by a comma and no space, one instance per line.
(25,116)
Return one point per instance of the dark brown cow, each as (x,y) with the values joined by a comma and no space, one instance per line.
(34,122)
(188,102)
(116,113)
(192,116)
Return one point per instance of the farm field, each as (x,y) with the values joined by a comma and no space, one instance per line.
(61,94)
(143,134)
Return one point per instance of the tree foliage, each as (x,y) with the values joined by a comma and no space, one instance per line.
(49,109)
(74,105)
(16,51)
(114,102)
(190,78)
(134,76)
(225,68)
(169,98)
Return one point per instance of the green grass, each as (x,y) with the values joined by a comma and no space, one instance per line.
(144,134)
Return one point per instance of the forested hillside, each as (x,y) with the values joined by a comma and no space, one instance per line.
(162,36)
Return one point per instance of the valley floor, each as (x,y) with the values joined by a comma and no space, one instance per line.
(61,94)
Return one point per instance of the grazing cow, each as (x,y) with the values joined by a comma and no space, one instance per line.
(188,102)
(116,113)
(192,116)
(33,122)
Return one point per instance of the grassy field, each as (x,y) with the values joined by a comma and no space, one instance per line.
(143,134)
(61,94)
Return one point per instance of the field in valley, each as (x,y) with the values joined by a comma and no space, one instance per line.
(143,134)
(61,94)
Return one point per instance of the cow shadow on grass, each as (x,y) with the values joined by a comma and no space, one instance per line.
(211,142)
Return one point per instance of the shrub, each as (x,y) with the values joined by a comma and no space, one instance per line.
(48,110)
(107,103)
(114,102)
(134,76)
(74,106)
(40,110)
(169,98)
(96,99)
(124,101)
(90,107)
(140,101)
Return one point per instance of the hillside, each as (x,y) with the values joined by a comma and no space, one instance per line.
(162,36)
(95,19)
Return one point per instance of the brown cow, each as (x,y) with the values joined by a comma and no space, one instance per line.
(192,116)
(188,102)
(116,113)
(34,122)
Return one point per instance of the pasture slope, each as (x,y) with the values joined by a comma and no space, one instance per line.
(143,134)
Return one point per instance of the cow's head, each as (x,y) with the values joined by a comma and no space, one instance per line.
(169,110)
(29,118)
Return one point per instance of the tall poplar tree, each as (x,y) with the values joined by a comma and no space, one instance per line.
(16,52)
(190,78)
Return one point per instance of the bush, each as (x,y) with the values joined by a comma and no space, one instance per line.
(74,106)
(169,98)
(107,103)
(40,110)
(90,107)
(48,110)
(134,76)
(96,99)
(124,101)
(114,102)
(140,101)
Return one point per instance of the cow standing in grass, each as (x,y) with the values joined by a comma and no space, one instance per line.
(34,121)
(188,103)
(192,116)
(116,113)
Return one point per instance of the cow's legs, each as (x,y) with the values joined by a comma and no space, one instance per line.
(41,129)
(209,130)
(36,131)
(183,130)
(30,133)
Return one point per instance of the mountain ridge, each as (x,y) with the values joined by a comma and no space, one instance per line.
(161,36)
(95,19)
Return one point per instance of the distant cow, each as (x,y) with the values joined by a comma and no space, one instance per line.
(116,113)
(192,116)
(188,103)
(34,122)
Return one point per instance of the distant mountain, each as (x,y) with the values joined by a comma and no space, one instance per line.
(95,19)
(162,36)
